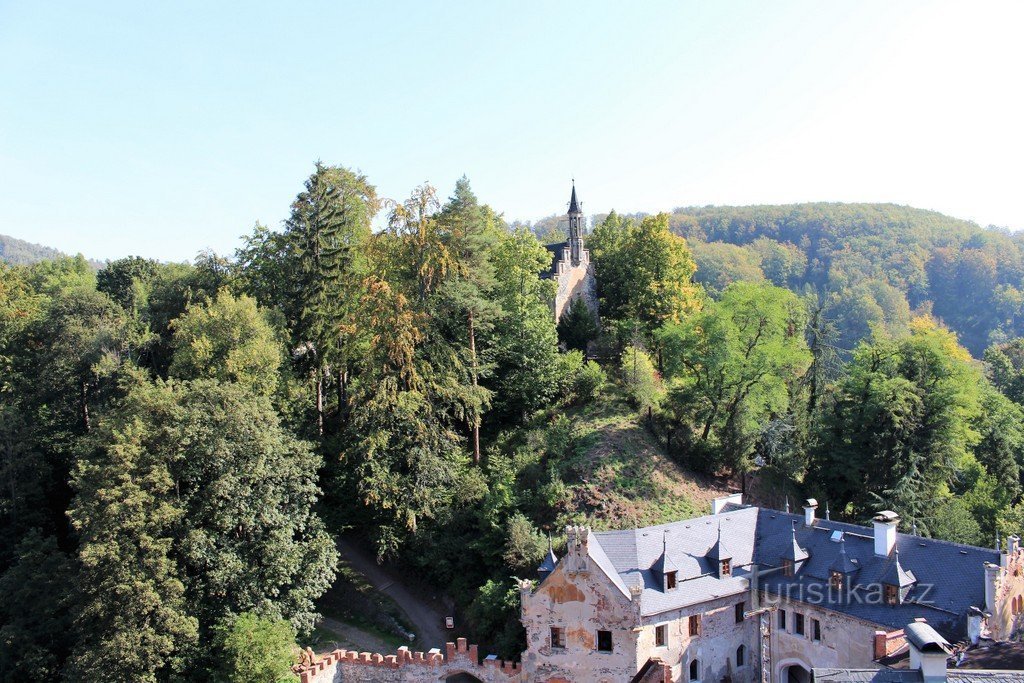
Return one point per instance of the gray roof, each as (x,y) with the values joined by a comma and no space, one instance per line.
(948,578)
(550,560)
(914,676)
(574,206)
(665,562)
(844,563)
(556,250)
(895,575)
(793,552)
(925,638)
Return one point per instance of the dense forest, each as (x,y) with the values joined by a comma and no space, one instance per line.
(180,444)
(20,252)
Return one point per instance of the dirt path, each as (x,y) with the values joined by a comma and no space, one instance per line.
(348,637)
(425,612)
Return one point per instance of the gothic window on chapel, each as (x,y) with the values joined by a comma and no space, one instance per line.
(694,671)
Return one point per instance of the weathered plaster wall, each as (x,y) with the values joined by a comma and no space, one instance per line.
(1006,590)
(715,647)
(580,598)
(845,641)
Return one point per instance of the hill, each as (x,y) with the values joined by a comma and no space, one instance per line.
(20,252)
(868,264)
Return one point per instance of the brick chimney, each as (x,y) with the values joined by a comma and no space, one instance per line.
(885,532)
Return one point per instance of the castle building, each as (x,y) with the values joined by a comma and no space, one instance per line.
(570,267)
(748,594)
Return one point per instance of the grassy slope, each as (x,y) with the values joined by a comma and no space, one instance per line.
(620,477)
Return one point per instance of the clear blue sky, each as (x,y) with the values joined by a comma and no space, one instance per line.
(162,128)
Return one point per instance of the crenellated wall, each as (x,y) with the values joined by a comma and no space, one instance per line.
(348,666)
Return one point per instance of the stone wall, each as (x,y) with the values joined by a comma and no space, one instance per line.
(574,282)
(342,666)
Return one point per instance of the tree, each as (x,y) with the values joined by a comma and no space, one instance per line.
(227,339)
(36,598)
(524,341)
(644,272)
(257,650)
(902,425)
(133,622)
(641,379)
(126,281)
(1005,365)
(577,327)
(732,364)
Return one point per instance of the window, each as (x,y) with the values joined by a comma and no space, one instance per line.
(787,567)
(891,595)
(670,580)
(604,641)
(557,636)
(798,623)
(695,670)
(740,608)
(694,624)
(782,620)
(815,629)
(660,636)
(726,570)
(741,653)
(836,580)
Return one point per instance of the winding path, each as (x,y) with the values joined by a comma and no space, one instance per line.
(425,613)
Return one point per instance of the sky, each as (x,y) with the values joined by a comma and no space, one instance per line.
(162,129)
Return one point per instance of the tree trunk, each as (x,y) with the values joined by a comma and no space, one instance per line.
(318,379)
(342,398)
(85,407)
(476,414)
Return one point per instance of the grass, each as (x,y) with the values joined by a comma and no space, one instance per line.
(619,476)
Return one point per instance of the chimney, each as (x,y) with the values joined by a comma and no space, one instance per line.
(928,651)
(1012,544)
(885,532)
(810,505)
(719,503)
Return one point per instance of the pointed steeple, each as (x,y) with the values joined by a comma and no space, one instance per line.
(895,575)
(664,563)
(574,205)
(719,551)
(548,565)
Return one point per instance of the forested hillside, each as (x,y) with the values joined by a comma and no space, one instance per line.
(181,444)
(868,264)
(20,252)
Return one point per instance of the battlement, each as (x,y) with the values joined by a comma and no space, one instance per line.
(406,665)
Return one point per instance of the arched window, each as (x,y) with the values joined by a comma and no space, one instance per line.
(741,653)
(695,670)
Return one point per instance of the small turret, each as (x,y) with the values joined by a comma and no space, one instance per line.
(575,228)
(548,565)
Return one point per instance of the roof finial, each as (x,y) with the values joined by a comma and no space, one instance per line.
(787,503)
(913,529)
(999,545)
(827,517)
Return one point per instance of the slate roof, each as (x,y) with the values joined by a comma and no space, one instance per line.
(844,563)
(914,676)
(556,255)
(574,206)
(948,578)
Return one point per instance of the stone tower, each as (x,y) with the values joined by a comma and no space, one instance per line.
(575,228)
(571,268)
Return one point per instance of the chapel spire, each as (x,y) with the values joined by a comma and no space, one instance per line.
(575,227)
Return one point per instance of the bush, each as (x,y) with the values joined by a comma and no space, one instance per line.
(258,650)
(590,379)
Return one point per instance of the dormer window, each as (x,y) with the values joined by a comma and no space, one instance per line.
(891,594)
(670,580)
(835,580)
(726,569)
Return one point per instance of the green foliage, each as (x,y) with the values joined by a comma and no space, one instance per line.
(732,365)
(126,281)
(952,521)
(227,339)
(257,650)
(719,264)
(589,381)
(644,272)
(494,612)
(524,546)
(641,380)
(36,601)
(903,424)
(577,327)
(19,252)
